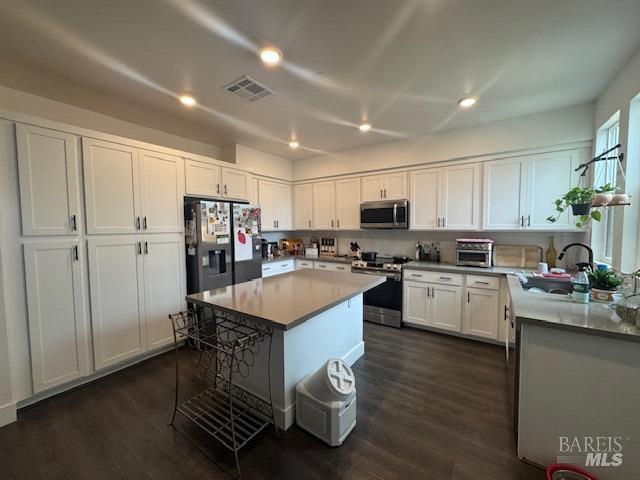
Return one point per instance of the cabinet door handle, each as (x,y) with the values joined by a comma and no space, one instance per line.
(139,248)
(137,223)
(468,297)
(218,188)
(225,189)
(381,194)
(528,220)
(438,222)
(433,292)
(385,193)
(506,309)
(74,225)
(76,256)
(144,223)
(146,248)
(522,220)
(331,223)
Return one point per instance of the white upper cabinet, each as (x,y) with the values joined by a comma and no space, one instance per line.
(324,206)
(161,181)
(275,204)
(520,193)
(57,313)
(549,177)
(445,198)
(117,298)
(48,173)
(202,179)
(303,207)
(426,198)
(112,193)
(235,184)
(164,285)
(461,197)
(391,186)
(254,198)
(347,204)
(504,194)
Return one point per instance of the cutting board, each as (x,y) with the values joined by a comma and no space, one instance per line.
(519,256)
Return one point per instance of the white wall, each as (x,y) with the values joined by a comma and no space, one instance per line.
(552,128)
(21,102)
(622,95)
(258,162)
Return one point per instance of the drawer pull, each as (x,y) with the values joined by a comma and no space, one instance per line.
(481,283)
(283,264)
(266,268)
(339,268)
(416,275)
(444,278)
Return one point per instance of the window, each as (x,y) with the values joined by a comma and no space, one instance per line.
(605,172)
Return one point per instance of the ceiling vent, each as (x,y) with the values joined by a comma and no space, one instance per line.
(248,89)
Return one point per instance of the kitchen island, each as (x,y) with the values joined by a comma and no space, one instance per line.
(311,316)
(577,378)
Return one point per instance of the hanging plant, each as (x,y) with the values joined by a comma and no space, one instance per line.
(581,201)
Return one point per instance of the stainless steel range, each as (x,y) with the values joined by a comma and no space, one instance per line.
(383,304)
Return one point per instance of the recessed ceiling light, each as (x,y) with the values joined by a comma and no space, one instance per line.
(187,100)
(365,127)
(466,102)
(270,55)
(294,144)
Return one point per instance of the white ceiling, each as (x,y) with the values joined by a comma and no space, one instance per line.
(401,64)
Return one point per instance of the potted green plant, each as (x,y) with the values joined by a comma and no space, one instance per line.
(604,284)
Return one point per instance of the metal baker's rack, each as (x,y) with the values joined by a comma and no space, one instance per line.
(225,346)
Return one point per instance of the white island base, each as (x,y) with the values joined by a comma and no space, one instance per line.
(296,353)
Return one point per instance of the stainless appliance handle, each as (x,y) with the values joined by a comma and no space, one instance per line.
(395,214)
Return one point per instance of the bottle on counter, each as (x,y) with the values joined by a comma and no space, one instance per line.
(580,284)
(551,254)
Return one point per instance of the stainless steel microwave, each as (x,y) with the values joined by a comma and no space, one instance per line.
(385,214)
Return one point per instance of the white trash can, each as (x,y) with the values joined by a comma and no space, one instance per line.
(326,402)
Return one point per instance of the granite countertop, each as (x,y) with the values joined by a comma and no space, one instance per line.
(450,267)
(559,311)
(302,257)
(285,301)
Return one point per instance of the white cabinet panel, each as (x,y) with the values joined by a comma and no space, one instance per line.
(461,197)
(323,206)
(164,285)
(202,179)
(416,303)
(275,203)
(117,299)
(254,198)
(57,313)
(446,307)
(395,186)
(283,206)
(48,173)
(235,184)
(303,207)
(372,188)
(347,204)
(424,205)
(161,192)
(481,312)
(111,177)
(277,267)
(550,177)
(504,194)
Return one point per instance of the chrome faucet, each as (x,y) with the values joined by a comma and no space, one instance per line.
(581,265)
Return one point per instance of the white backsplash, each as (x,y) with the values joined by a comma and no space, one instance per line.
(403,242)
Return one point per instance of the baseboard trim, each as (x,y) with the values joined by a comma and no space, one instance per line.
(8,414)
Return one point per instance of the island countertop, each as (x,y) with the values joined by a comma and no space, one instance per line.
(558,311)
(285,301)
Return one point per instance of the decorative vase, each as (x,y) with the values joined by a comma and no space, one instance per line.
(581,208)
(551,254)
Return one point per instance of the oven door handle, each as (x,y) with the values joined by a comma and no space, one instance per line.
(393,276)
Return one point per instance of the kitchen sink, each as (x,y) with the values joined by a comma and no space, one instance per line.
(549,285)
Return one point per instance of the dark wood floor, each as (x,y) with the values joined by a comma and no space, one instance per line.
(429,407)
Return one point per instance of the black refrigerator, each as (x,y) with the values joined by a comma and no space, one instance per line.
(223,243)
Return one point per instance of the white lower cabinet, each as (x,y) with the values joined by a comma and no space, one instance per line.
(300,264)
(446,307)
(481,312)
(57,312)
(276,268)
(417,303)
(135,283)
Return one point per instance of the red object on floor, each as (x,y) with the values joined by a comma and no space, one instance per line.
(556,467)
